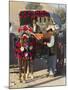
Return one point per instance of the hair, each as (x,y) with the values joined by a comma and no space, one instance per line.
(50,30)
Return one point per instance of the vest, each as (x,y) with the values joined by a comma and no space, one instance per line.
(53,50)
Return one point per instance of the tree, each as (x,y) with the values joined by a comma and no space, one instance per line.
(33,6)
(62,13)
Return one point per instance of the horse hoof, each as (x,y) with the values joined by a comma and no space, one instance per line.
(24,81)
(32,77)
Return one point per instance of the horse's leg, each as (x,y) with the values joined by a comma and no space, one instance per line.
(20,69)
(24,73)
(31,69)
(27,69)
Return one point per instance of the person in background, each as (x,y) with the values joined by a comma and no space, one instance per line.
(10,27)
(36,28)
(52,59)
(60,53)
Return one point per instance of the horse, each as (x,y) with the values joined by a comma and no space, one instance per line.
(24,52)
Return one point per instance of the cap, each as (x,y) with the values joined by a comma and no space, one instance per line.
(50,27)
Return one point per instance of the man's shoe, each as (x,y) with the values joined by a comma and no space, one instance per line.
(47,75)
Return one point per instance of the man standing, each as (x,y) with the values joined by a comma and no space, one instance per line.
(36,28)
(52,59)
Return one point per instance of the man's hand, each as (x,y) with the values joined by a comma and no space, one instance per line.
(45,43)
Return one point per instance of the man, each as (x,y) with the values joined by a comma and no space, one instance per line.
(36,28)
(51,62)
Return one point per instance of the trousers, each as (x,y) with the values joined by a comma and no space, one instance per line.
(51,63)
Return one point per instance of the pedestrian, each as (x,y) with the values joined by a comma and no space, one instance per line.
(52,59)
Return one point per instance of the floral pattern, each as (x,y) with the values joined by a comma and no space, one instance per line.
(24,46)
